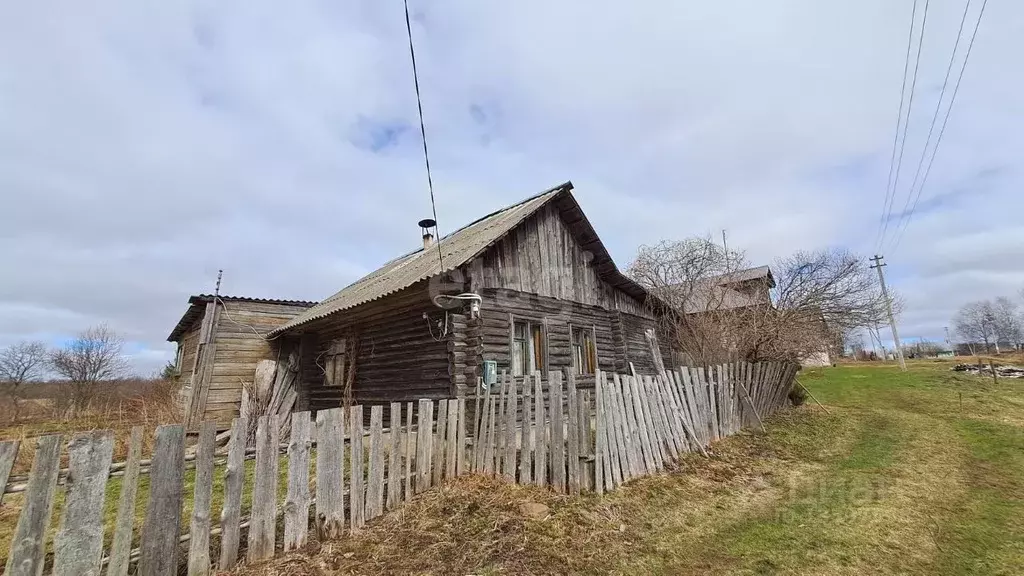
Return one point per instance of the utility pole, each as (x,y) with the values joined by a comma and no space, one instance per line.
(888,309)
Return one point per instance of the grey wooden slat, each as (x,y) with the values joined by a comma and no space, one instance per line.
(642,450)
(588,461)
(375,476)
(653,424)
(438,444)
(160,530)
(121,545)
(28,544)
(540,437)
(726,399)
(234,482)
(666,445)
(477,424)
(357,484)
(601,468)
(623,437)
(263,519)
(451,439)
(526,435)
(422,438)
(394,474)
(572,440)
(690,402)
(460,438)
(699,409)
(78,546)
(614,443)
(647,436)
(509,457)
(480,440)
(410,448)
(489,437)
(8,452)
(500,425)
(681,414)
(674,413)
(330,473)
(556,447)
(296,503)
(629,432)
(199,530)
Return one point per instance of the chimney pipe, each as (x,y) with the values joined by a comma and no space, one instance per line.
(428,238)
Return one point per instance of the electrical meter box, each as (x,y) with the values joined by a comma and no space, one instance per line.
(490,373)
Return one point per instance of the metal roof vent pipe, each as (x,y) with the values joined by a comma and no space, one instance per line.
(428,238)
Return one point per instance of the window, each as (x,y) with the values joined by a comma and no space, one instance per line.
(179,359)
(334,363)
(527,348)
(584,353)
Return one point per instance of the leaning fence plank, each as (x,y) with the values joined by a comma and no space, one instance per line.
(29,539)
(624,436)
(477,422)
(199,530)
(159,554)
(438,443)
(509,457)
(572,440)
(121,546)
(296,504)
(8,452)
(394,456)
(375,475)
(616,445)
(330,464)
(460,439)
(78,546)
(526,435)
(410,450)
(357,485)
(653,425)
(498,439)
(234,481)
(601,468)
(451,439)
(585,440)
(647,438)
(262,521)
(490,437)
(540,434)
(557,445)
(685,389)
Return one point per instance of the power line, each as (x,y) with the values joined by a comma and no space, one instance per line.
(945,119)
(423,133)
(906,123)
(899,118)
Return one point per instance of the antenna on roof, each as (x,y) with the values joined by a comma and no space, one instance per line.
(216,291)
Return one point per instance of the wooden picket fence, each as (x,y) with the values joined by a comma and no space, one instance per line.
(528,430)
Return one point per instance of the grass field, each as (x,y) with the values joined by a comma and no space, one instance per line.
(915,473)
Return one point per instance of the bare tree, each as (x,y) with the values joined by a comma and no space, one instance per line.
(20,363)
(817,297)
(1007,322)
(93,357)
(975,324)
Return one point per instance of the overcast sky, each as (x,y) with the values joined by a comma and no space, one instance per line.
(144,144)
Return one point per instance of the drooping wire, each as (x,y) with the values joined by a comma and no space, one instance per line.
(896,133)
(423,133)
(945,119)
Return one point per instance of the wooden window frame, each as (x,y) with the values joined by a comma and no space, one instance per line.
(590,358)
(336,363)
(536,354)
(179,358)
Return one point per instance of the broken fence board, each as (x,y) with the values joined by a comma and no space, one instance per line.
(202,496)
(263,519)
(357,484)
(28,543)
(234,483)
(296,504)
(375,477)
(159,553)
(78,546)
(121,546)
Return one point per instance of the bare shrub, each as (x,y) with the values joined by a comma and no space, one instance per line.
(93,357)
(19,364)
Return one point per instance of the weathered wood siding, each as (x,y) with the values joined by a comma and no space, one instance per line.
(239,348)
(542,256)
(638,351)
(190,346)
(398,359)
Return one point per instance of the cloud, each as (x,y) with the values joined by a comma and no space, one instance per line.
(147,145)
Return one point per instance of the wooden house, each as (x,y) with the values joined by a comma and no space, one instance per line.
(527,288)
(220,341)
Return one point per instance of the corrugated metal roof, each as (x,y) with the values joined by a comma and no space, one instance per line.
(457,248)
